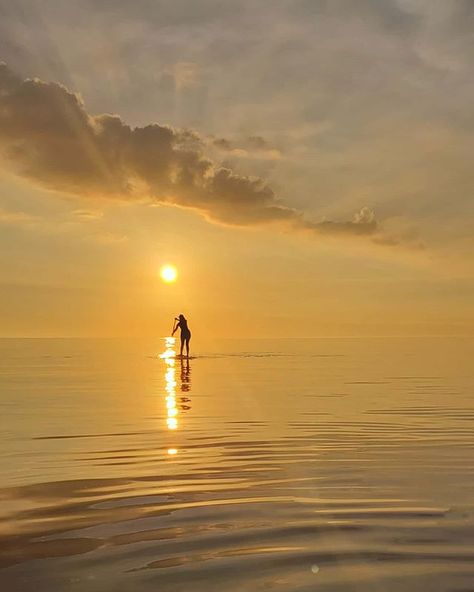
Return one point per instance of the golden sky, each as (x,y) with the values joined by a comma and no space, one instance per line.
(306,165)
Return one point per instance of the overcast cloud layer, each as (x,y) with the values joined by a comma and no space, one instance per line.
(359,104)
(47,136)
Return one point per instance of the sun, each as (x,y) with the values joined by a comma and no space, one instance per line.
(168,273)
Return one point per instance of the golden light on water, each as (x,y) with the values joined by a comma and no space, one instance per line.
(170,379)
(169,273)
(172,423)
(173,382)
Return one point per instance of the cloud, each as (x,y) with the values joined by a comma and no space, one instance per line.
(87,214)
(77,223)
(16,218)
(223,144)
(48,137)
(251,147)
(363,222)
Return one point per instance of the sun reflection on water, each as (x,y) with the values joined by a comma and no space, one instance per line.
(172,407)
(169,356)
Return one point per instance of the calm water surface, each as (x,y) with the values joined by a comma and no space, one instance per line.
(325,464)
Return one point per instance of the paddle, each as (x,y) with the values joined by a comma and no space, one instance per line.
(174,321)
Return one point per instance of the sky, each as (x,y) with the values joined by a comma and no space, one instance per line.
(306,165)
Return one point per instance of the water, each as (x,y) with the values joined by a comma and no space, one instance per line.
(325,464)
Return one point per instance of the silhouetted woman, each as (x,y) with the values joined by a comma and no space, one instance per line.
(182,323)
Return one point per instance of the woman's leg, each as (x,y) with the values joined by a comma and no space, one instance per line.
(187,346)
(182,345)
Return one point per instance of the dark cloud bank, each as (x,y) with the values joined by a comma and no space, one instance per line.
(47,136)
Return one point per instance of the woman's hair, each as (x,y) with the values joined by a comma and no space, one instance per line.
(181,316)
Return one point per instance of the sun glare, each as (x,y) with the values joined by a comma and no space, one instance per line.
(168,273)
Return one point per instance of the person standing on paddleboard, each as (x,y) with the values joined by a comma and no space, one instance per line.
(182,323)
